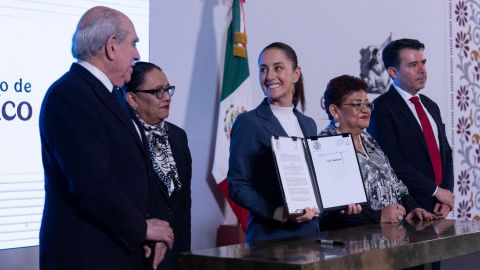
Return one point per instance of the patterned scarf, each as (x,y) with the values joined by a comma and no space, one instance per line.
(161,155)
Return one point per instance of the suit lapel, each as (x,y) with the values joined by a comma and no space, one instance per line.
(438,121)
(270,122)
(306,130)
(106,97)
(177,152)
(406,113)
(119,113)
(436,117)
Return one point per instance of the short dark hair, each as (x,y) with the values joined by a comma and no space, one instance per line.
(299,94)
(140,69)
(391,53)
(340,87)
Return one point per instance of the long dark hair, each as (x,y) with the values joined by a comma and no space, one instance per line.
(299,92)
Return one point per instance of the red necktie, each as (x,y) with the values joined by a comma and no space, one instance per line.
(430,139)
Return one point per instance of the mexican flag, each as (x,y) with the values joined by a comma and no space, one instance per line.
(235,99)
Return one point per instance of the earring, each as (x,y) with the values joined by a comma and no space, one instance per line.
(337,124)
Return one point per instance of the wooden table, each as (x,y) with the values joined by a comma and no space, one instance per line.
(379,246)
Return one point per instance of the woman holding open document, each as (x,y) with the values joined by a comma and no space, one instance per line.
(253,181)
(349,110)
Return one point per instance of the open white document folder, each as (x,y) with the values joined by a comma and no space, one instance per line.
(319,172)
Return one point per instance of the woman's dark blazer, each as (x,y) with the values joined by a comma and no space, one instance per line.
(252,176)
(176,209)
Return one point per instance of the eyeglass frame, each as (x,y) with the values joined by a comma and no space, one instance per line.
(170,90)
(360,105)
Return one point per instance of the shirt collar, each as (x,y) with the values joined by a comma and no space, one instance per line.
(98,74)
(404,94)
(281,110)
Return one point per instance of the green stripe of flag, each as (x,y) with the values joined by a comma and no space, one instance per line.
(236,68)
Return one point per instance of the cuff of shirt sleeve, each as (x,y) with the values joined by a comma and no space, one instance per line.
(435,192)
(278,214)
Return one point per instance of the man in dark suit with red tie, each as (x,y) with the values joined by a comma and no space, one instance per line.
(96,213)
(409,128)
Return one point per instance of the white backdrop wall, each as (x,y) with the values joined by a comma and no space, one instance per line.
(188,37)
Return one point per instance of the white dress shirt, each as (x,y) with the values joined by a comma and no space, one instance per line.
(406,97)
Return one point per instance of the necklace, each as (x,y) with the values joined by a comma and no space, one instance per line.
(363,153)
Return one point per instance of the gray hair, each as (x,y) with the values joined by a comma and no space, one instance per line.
(94,29)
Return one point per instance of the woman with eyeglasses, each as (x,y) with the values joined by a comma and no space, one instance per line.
(149,95)
(348,108)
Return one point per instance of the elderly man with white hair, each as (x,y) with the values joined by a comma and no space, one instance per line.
(96,213)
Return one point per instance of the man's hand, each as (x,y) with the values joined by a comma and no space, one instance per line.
(159,230)
(420,214)
(441,210)
(158,255)
(445,196)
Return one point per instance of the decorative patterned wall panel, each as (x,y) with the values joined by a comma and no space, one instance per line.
(465,81)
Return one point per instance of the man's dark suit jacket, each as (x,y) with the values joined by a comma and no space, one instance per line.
(252,176)
(175,208)
(96,178)
(400,136)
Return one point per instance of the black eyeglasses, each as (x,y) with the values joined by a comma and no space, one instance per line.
(360,105)
(158,92)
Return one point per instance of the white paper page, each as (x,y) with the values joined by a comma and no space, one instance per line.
(337,171)
(294,174)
